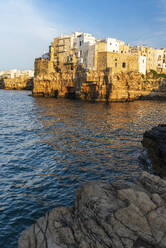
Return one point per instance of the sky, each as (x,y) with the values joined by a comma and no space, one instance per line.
(27,27)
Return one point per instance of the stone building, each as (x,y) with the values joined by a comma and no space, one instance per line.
(123,48)
(109,70)
(84,49)
(155,58)
(161,67)
(131,62)
(117,62)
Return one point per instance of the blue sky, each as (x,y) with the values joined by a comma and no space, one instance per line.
(28,26)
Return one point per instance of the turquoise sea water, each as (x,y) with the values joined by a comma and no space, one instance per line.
(49,147)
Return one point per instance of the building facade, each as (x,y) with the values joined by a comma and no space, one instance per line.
(85,50)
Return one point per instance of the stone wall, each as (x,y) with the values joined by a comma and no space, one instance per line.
(117,62)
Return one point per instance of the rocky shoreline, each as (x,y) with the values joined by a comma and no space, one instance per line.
(154,141)
(119,214)
(17,83)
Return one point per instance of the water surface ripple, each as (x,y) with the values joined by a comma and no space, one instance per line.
(48,147)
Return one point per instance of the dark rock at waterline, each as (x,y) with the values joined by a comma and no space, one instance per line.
(118,215)
(154,141)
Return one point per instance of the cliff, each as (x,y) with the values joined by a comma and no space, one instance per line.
(70,80)
(119,215)
(17,83)
(124,87)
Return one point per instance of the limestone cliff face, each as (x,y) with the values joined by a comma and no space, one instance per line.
(51,80)
(99,85)
(116,215)
(124,87)
(18,83)
(53,85)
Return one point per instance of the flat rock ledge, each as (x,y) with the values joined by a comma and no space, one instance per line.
(120,214)
(154,141)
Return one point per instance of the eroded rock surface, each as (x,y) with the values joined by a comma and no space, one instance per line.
(96,85)
(17,83)
(120,215)
(155,143)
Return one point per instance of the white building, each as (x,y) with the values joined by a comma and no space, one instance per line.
(160,55)
(29,73)
(16,73)
(84,41)
(91,57)
(112,45)
(142,64)
(74,39)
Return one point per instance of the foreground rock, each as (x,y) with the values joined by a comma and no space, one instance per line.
(155,143)
(119,215)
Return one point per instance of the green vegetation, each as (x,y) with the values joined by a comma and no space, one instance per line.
(157,75)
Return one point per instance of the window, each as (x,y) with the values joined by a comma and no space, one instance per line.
(123,65)
(80,43)
(116,64)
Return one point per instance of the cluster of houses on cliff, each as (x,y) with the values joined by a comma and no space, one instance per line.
(95,54)
(16,73)
(79,65)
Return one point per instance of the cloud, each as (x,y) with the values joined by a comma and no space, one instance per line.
(25,33)
(22,16)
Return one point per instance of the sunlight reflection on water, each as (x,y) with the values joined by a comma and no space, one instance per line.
(51,146)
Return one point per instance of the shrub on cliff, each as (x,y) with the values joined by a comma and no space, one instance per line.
(157,75)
